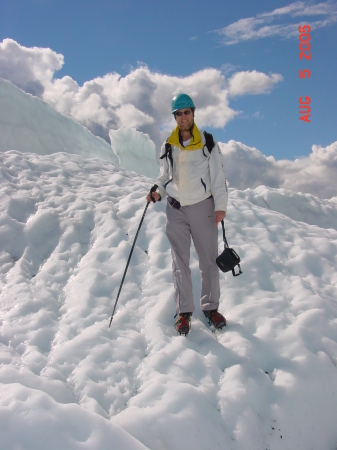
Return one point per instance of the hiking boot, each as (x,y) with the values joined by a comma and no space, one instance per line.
(215,318)
(183,323)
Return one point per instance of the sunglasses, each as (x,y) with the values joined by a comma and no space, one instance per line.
(180,113)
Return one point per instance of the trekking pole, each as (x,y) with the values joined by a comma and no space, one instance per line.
(133,246)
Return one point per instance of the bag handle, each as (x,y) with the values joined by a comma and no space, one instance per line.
(224,234)
(237,274)
(227,246)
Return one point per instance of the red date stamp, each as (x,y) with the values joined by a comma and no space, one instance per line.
(305,54)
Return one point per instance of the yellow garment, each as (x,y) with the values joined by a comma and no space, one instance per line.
(195,144)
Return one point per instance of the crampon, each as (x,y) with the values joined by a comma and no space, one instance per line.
(183,323)
(215,318)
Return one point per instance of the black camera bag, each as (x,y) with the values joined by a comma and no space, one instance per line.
(228,259)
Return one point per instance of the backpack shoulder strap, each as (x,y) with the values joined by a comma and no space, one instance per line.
(168,153)
(208,141)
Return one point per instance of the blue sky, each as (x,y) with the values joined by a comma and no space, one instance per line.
(180,38)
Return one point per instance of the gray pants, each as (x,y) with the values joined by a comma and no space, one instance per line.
(198,221)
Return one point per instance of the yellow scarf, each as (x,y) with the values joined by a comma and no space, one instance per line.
(195,144)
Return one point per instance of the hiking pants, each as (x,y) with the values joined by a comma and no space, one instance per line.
(198,221)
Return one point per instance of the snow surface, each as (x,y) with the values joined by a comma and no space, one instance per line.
(67,380)
(268,381)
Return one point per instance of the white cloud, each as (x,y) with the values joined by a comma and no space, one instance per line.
(141,99)
(262,26)
(131,117)
(28,68)
(252,82)
(247,167)
(315,174)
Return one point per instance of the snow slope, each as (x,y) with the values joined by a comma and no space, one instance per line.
(268,381)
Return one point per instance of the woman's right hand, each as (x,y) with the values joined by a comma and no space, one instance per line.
(155,195)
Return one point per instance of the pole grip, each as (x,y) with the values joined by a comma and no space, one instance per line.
(153,189)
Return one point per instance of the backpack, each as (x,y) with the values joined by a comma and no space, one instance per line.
(209,144)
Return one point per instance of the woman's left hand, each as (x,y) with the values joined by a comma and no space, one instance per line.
(219,216)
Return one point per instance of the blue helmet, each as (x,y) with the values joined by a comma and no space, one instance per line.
(181,101)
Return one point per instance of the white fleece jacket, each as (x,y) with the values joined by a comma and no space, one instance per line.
(194,176)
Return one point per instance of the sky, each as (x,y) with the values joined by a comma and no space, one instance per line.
(113,64)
